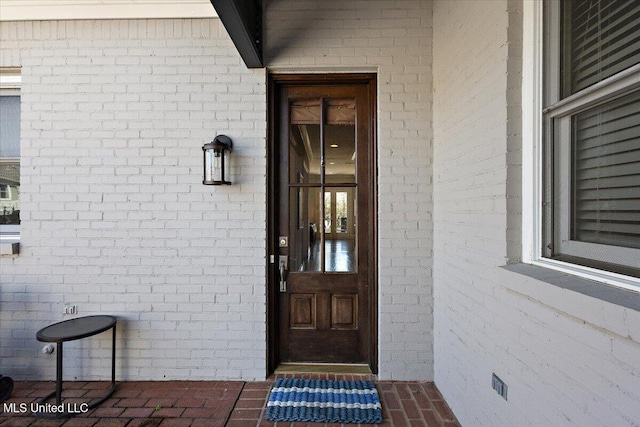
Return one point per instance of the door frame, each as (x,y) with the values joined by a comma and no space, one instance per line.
(275,82)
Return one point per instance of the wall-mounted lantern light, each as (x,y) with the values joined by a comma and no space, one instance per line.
(216,161)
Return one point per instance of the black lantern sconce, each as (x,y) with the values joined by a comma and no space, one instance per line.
(216,161)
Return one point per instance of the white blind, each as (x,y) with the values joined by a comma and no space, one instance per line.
(606,173)
(601,38)
(337,112)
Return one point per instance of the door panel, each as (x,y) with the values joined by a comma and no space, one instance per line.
(323,203)
(303,311)
(344,311)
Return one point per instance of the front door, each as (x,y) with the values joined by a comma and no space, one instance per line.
(322,219)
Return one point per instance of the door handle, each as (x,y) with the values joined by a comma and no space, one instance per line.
(283,271)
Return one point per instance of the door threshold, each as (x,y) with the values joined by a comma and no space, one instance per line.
(323,368)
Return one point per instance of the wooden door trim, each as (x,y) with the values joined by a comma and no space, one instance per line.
(275,82)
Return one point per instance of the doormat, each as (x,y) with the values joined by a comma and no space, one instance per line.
(295,399)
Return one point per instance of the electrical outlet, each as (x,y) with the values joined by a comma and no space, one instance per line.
(499,386)
(70,309)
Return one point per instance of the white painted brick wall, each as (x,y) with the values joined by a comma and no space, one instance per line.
(114,207)
(392,38)
(568,359)
(115,113)
(115,217)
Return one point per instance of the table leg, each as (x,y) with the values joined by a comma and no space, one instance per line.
(59,374)
(113,372)
(59,377)
(113,356)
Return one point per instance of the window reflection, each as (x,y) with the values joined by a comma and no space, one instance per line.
(9,166)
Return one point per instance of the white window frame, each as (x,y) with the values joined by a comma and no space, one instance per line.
(10,83)
(532,166)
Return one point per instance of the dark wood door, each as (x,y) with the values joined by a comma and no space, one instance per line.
(323,227)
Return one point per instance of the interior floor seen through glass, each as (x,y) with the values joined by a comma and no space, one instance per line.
(340,256)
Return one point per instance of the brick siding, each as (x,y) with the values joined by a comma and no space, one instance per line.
(392,38)
(568,359)
(115,217)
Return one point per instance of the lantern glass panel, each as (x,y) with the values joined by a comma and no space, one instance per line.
(208,165)
(216,163)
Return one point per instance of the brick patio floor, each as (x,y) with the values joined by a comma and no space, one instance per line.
(212,404)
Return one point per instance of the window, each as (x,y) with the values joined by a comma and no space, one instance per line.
(5,192)
(591,133)
(9,154)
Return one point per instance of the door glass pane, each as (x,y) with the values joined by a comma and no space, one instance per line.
(340,255)
(304,141)
(340,141)
(340,241)
(304,233)
(322,219)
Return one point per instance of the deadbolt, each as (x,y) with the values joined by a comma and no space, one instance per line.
(283,241)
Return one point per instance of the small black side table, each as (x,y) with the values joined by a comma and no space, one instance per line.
(70,330)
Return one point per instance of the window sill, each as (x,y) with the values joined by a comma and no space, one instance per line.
(9,248)
(599,290)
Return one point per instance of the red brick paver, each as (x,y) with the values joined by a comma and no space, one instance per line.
(215,404)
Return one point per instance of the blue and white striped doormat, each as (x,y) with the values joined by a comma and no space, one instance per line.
(295,399)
